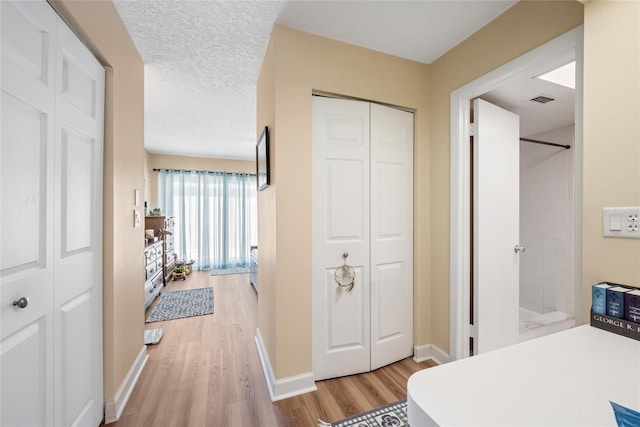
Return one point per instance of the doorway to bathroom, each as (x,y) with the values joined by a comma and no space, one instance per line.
(514,269)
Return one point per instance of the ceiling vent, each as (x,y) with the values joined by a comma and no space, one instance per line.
(542,99)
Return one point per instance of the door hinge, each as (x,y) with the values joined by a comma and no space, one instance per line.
(472,129)
(473,331)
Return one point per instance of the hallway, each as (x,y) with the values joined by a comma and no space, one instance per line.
(206,372)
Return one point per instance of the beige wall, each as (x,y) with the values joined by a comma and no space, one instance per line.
(512,34)
(166,161)
(266,101)
(611,138)
(298,63)
(98,23)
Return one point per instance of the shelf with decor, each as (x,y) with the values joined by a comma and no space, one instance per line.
(153,267)
(162,227)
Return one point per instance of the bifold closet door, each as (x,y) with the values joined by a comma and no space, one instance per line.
(26,258)
(362,208)
(341,327)
(51,223)
(391,235)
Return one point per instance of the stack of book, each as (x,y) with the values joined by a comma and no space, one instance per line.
(616,308)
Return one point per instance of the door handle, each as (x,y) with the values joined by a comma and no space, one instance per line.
(21,302)
(518,249)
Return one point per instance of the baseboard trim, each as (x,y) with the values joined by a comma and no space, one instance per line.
(285,387)
(113,408)
(425,352)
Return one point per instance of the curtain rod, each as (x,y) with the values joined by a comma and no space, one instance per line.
(202,171)
(535,141)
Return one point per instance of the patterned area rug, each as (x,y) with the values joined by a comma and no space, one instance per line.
(180,304)
(233,270)
(392,415)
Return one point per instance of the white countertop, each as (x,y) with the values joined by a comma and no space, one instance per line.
(564,379)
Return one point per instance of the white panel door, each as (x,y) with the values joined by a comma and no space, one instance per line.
(26,258)
(362,206)
(78,233)
(341,334)
(391,235)
(496,226)
(51,242)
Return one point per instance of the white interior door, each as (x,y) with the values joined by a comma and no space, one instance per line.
(496,226)
(78,233)
(51,223)
(362,206)
(391,235)
(28,104)
(341,331)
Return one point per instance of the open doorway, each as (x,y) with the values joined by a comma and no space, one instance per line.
(546,111)
(550,187)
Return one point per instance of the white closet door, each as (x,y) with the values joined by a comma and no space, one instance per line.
(26,258)
(51,242)
(78,233)
(391,235)
(341,334)
(363,206)
(496,225)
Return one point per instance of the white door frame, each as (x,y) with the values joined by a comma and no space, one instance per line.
(460,238)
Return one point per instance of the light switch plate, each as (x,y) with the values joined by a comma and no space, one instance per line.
(621,222)
(136,219)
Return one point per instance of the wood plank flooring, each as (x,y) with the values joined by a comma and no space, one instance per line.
(206,372)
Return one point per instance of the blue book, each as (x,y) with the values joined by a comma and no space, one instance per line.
(632,306)
(599,297)
(615,301)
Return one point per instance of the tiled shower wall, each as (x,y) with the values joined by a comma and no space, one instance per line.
(546,223)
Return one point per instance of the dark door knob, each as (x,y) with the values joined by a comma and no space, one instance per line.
(21,302)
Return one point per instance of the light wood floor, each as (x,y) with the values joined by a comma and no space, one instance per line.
(206,372)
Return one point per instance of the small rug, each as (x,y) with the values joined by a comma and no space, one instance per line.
(232,270)
(392,415)
(180,304)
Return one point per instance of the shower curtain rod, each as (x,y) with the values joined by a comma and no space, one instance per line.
(535,141)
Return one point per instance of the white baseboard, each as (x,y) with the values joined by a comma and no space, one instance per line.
(430,351)
(113,408)
(286,387)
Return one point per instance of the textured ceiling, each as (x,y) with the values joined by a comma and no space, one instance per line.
(202,58)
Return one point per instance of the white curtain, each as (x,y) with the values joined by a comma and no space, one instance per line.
(215,215)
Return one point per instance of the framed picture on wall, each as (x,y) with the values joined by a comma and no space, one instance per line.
(262,160)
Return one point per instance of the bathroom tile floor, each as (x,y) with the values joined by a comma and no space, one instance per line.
(530,319)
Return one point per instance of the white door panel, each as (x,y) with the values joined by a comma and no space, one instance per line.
(496,231)
(77,360)
(51,222)
(78,233)
(26,193)
(388,321)
(27,375)
(346,338)
(346,179)
(348,215)
(26,261)
(391,235)
(341,338)
(27,51)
